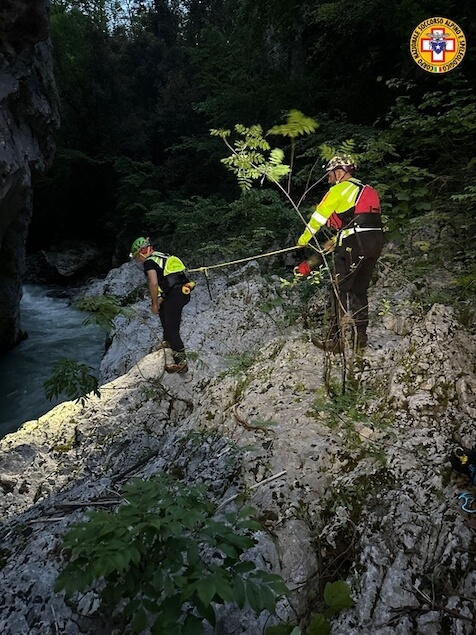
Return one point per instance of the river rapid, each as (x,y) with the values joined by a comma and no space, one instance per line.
(55,331)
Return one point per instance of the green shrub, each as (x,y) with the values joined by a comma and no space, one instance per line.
(240,362)
(164,558)
(336,598)
(73,380)
(102,309)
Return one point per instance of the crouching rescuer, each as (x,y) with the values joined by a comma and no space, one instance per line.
(351,210)
(169,290)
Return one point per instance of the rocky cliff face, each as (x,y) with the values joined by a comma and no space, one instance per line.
(29,118)
(350,487)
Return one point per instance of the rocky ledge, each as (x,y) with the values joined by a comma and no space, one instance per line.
(357,487)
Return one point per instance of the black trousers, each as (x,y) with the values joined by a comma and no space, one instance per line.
(170,314)
(354,262)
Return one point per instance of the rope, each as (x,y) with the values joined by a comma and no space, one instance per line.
(208,285)
(236,262)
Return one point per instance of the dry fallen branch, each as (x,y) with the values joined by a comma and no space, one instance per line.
(256,485)
(247,425)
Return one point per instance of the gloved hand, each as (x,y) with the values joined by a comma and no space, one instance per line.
(303,269)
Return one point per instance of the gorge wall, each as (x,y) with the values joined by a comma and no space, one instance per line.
(29,118)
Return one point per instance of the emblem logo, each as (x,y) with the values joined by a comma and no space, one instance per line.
(437,45)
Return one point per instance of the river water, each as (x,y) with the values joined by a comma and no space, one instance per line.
(55,331)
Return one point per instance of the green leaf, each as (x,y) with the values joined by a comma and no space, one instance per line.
(228,550)
(296,125)
(152,607)
(206,591)
(253,595)
(276,156)
(337,596)
(245,566)
(192,626)
(319,626)
(170,611)
(268,598)
(225,591)
(102,309)
(73,380)
(273,581)
(169,587)
(193,554)
(139,621)
(239,592)
(150,548)
(207,612)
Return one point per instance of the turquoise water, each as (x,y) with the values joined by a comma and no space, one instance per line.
(55,331)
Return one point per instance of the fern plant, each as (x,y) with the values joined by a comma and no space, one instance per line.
(103,309)
(240,362)
(73,380)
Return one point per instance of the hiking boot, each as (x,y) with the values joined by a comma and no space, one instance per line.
(179,364)
(330,346)
(183,369)
(180,368)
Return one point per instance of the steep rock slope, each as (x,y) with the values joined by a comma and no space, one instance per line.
(355,487)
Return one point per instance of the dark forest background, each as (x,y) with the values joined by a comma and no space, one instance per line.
(142,83)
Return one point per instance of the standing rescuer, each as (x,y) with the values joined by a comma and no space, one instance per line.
(352,210)
(169,290)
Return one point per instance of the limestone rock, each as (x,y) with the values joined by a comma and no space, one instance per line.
(368,497)
(28,120)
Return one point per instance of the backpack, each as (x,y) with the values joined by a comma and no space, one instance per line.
(171,271)
(168,264)
(367,202)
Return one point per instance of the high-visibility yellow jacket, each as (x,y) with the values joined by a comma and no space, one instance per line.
(341,198)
